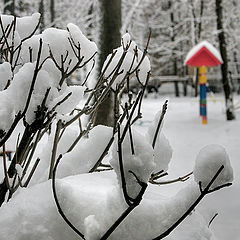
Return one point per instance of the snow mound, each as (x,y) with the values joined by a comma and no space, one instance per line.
(86,153)
(93,202)
(208,162)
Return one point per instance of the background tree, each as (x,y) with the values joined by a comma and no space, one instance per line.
(224,67)
(110,38)
(52,11)
(41,11)
(9,7)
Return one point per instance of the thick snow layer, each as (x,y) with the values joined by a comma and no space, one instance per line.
(127,63)
(72,101)
(88,48)
(6,110)
(63,46)
(206,44)
(5,74)
(208,162)
(93,202)
(82,158)
(140,162)
(24,27)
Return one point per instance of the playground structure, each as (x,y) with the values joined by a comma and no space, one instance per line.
(203,55)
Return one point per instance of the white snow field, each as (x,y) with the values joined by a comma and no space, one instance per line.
(187,135)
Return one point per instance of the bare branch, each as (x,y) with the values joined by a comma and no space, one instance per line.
(164,109)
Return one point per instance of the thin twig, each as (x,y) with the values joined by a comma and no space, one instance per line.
(5,168)
(212,219)
(54,149)
(164,110)
(32,172)
(179,179)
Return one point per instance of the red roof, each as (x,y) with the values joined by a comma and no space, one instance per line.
(203,57)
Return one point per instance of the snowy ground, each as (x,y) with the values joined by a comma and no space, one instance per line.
(187,136)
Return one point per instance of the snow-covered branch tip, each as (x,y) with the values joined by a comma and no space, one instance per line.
(203,193)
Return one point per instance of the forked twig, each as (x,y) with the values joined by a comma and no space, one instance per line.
(179,179)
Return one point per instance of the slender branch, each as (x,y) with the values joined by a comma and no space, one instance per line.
(212,219)
(97,164)
(5,168)
(117,222)
(164,109)
(57,202)
(180,179)
(32,172)
(34,77)
(54,149)
(133,205)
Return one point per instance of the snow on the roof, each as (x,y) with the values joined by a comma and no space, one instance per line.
(206,44)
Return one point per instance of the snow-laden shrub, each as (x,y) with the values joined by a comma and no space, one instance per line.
(100,176)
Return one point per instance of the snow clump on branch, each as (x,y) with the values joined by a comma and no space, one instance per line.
(208,162)
(128,57)
(25,26)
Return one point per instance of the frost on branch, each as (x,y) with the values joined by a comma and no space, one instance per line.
(208,162)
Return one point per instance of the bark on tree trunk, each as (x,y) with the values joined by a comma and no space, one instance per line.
(224,67)
(9,7)
(52,12)
(110,38)
(175,72)
(41,11)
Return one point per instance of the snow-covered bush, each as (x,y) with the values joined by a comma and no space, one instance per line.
(104,180)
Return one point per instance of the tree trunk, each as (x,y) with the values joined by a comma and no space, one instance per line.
(110,38)
(197,31)
(224,67)
(41,11)
(9,7)
(52,12)
(175,72)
